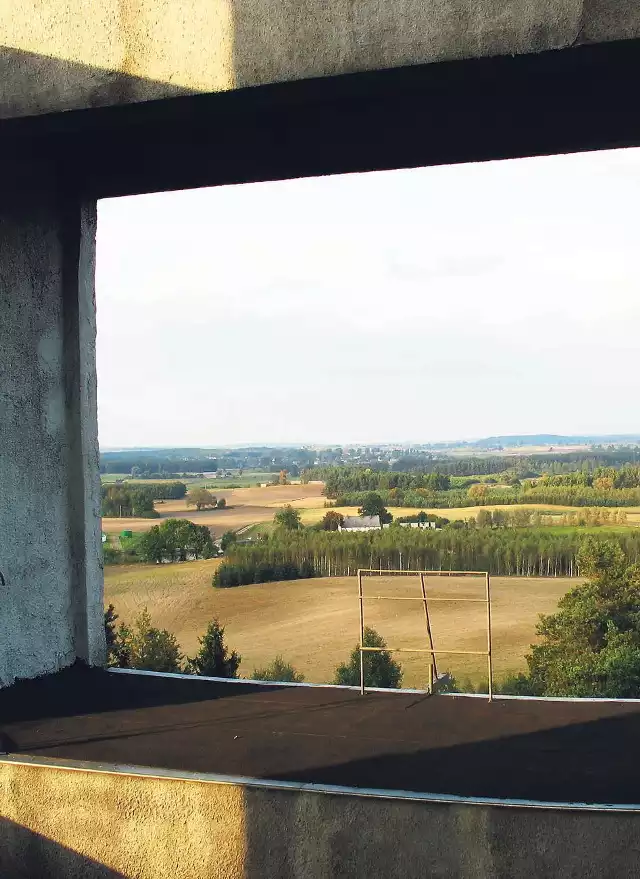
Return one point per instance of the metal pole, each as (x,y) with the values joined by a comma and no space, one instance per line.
(361,633)
(429,635)
(489,657)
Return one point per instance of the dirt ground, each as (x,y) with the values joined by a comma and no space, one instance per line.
(245,506)
(314,623)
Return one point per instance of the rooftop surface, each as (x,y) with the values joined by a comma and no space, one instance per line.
(508,749)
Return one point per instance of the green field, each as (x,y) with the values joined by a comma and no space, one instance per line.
(244,481)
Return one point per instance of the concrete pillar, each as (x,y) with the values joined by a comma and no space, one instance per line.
(50,556)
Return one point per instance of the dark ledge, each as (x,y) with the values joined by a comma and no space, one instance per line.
(510,749)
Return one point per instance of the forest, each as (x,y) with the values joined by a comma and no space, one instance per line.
(131,500)
(522,552)
(168,463)
(597,487)
(521,466)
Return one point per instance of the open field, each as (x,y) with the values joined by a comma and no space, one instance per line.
(314,623)
(247,479)
(514,451)
(310,516)
(255,506)
(245,506)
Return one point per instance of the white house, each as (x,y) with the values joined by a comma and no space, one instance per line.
(360,523)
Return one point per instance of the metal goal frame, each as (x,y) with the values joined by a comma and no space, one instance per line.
(433,673)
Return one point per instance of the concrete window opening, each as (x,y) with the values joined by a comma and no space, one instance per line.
(175,777)
(427,303)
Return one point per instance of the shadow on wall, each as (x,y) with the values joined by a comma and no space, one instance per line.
(144,51)
(31,84)
(294,835)
(238,43)
(25,854)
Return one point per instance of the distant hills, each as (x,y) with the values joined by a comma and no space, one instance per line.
(552,439)
(174,459)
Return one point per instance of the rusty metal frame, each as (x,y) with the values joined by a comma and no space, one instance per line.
(433,675)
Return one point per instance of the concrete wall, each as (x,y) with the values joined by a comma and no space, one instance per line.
(64,54)
(51,601)
(71,823)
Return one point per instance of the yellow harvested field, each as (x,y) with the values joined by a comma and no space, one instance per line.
(254,506)
(115,526)
(310,516)
(277,495)
(633,513)
(245,506)
(314,623)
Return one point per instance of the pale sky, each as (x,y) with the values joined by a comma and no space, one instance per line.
(431,304)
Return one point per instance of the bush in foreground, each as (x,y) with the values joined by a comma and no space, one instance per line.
(591,646)
(380,670)
(143,646)
(117,653)
(278,670)
(214,659)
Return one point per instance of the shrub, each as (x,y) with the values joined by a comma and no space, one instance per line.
(288,518)
(148,648)
(229,574)
(227,540)
(110,554)
(117,654)
(332,521)
(213,659)
(278,670)
(380,670)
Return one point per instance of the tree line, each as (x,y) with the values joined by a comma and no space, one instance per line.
(145,647)
(627,476)
(131,500)
(489,465)
(482,494)
(589,517)
(522,552)
(123,501)
(340,480)
(148,648)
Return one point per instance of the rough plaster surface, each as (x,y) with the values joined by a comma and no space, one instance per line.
(48,446)
(61,823)
(75,823)
(67,54)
